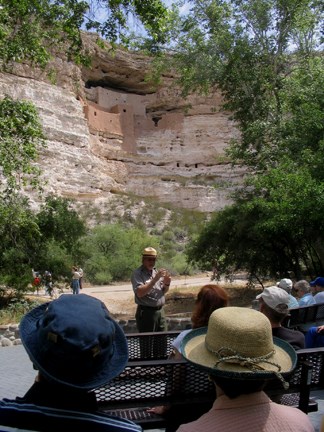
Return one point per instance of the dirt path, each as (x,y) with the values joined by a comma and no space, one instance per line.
(119,298)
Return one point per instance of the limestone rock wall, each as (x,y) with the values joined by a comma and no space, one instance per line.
(108,132)
(70,166)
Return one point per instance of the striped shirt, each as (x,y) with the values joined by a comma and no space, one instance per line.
(20,417)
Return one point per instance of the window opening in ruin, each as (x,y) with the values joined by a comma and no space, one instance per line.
(178,164)
(95,113)
(196,165)
(156,120)
(124,110)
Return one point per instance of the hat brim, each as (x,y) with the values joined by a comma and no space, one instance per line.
(110,369)
(194,350)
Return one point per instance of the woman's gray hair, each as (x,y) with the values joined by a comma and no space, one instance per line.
(303,285)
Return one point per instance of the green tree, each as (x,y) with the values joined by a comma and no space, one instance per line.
(113,252)
(265,57)
(250,49)
(47,240)
(21,137)
(278,228)
(57,220)
(20,242)
(34,30)
(151,15)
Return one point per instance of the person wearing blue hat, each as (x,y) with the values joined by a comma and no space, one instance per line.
(76,347)
(318,287)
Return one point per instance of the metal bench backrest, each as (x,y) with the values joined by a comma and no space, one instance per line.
(304,317)
(159,381)
(308,375)
(189,390)
(150,346)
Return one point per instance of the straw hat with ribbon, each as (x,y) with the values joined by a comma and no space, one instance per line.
(238,343)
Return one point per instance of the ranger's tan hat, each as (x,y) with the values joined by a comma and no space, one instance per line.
(149,252)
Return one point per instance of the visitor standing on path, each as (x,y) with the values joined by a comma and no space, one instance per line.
(75,283)
(150,286)
(80,271)
(48,283)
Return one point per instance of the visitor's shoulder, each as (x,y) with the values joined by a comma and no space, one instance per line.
(292,417)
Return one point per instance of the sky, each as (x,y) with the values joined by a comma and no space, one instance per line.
(183,9)
(134,25)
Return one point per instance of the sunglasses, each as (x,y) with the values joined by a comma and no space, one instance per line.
(150,259)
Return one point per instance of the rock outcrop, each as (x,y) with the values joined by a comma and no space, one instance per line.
(109,131)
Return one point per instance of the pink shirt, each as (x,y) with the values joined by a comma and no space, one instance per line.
(252,413)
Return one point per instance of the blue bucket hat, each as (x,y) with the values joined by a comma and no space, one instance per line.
(74,341)
(318,281)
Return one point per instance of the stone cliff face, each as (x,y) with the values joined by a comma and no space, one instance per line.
(110,132)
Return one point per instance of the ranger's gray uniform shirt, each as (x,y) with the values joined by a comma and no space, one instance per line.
(155,297)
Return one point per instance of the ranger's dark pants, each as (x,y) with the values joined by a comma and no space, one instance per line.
(150,319)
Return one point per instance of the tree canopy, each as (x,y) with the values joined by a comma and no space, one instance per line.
(21,138)
(266,58)
(34,30)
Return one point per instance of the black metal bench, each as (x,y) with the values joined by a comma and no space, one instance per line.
(150,346)
(158,382)
(146,384)
(304,317)
(308,376)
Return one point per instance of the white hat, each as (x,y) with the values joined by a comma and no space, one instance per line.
(285,284)
(276,298)
(238,343)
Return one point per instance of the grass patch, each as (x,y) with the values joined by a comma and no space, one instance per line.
(15,309)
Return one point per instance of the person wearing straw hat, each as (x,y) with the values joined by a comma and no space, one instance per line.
(150,286)
(76,347)
(240,355)
(274,304)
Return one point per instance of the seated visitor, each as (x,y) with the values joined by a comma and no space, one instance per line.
(209,298)
(239,353)
(76,347)
(303,293)
(318,289)
(287,285)
(314,337)
(274,305)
